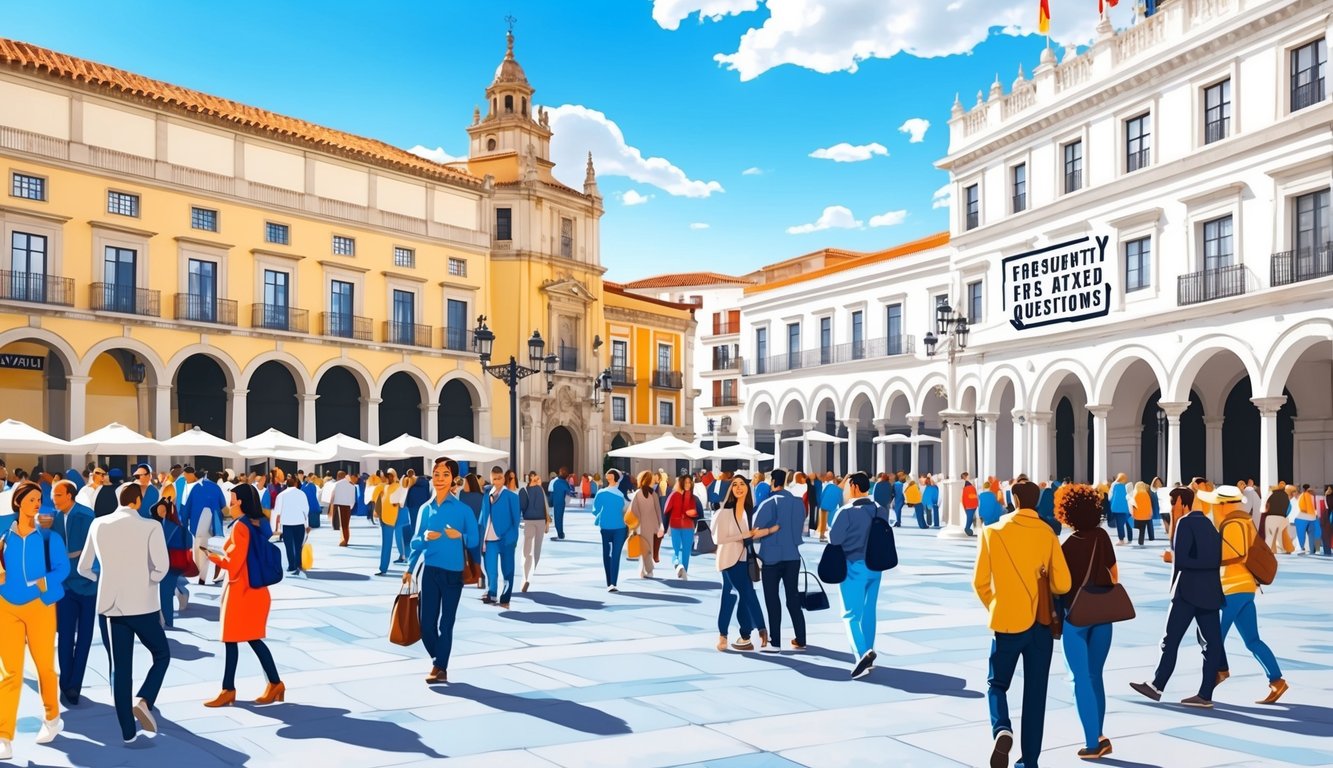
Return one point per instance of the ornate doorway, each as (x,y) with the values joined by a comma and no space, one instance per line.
(560,451)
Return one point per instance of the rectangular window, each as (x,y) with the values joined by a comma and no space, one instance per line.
(28,187)
(1020,182)
(825,340)
(894,328)
(1217,112)
(278,234)
(619,354)
(974,302)
(457,267)
(664,357)
(404,257)
(341,294)
(793,345)
(1138,142)
(973,197)
(858,335)
(1307,74)
(204,218)
(1138,264)
(666,413)
(1073,152)
(404,317)
(27,263)
(1311,224)
(1218,250)
(203,291)
(567,238)
(504,224)
(761,350)
(120,276)
(122,203)
(275,300)
(343,246)
(619,409)
(455,330)
(941,299)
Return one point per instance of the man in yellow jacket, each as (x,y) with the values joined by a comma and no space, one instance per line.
(1014,555)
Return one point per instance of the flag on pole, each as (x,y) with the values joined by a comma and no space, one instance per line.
(1102,5)
(1044,18)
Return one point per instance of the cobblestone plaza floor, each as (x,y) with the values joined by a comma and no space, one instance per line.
(574,676)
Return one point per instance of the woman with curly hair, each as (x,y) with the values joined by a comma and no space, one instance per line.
(1091,558)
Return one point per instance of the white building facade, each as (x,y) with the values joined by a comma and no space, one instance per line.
(1139,236)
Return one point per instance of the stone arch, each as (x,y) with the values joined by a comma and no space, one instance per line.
(925,389)
(363,376)
(1194,357)
(52,341)
(228,365)
(476,386)
(785,402)
(895,389)
(304,384)
(993,390)
(1115,366)
(1287,350)
(823,393)
(155,370)
(1050,380)
(45,403)
(422,381)
(860,389)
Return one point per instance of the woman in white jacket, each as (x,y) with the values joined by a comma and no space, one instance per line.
(732,532)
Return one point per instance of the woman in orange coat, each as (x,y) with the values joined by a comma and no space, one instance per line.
(245,608)
(1141,508)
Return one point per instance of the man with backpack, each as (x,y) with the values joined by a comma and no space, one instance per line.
(1247,562)
(861,529)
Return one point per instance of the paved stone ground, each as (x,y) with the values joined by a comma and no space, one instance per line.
(573,676)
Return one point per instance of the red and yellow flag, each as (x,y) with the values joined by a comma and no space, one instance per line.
(1044,18)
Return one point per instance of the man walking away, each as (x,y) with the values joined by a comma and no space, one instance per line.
(560,490)
(1013,557)
(291,519)
(532,503)
(860,590)
(344,498)
(781,557)
(830,499)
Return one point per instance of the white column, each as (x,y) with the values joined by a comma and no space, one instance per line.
(431,413)
(76,388)
(306,425)
(371,405)
(853,461)
(882,449)
(1022,465)
(161,420)
(1100,470)
(1214,457)
(806,426)
(1173,411)
(914,421)
(1268,408)
(989,465)
(951,490)
(239,414)
(1040,422)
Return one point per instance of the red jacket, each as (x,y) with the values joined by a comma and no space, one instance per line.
(682,509)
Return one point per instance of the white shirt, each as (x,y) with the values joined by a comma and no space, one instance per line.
(132,552)
(344,493)
(326,492)
(291,508)
(185,492)
(86,496)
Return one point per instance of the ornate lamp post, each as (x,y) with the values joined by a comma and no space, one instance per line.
(511,373)
(953,331)
(601,388)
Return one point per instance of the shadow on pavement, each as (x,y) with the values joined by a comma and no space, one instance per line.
(665,598)
(552,600)
(336,576)
(303,721)
(1125,763)
(1299,719)
(907,680)
(174,745)
(693,586)
(567,714)
(182,652)
(541,617)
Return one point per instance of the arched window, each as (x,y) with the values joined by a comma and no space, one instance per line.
(494,108)
(525,106)
(490,145)
(509,104)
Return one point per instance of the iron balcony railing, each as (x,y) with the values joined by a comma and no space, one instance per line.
(726,363)
(1302,264)
(1307,94)
(112,297)
(1073,181)
(668,380)
(37,288)
(569,358)
(345,326)
(725,328)
(1210,284)
(833,355)
(457,339)
(279,317)
(205,309)
(1137,160)
(622,376)
(408,334)
(726,400)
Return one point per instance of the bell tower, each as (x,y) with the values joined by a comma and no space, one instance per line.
(513,141)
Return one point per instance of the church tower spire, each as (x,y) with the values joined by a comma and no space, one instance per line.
(511,142)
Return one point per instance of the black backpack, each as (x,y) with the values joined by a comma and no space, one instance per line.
(881,552)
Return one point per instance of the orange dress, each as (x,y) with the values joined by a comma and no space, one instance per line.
(244,608)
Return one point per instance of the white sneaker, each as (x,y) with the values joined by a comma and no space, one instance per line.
(49,730)
(680,571)
(6,749)
(612,588)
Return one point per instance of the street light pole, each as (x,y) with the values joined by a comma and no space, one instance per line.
(511,373)
(953,332)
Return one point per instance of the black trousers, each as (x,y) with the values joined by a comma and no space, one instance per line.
(1208,622)
(784,574)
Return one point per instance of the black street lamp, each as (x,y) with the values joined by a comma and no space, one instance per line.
(511,373)
(601,389)
(1161,444)
(953,331)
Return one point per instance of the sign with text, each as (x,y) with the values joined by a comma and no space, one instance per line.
(24,362)
(1062,283)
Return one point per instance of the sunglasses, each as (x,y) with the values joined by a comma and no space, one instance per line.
(99,473)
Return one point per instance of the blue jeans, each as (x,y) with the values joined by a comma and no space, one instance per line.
(499,557)
(388,535)
(1034,646)
(1308,528)
(922,516)
(898,513)
(744,601)
(1086,649)
(558,515)
(75,616)
(860,593)
(1239,610)
(969,520)
(123,630)
(1123,529)
(613,541)
(293,538)
(166,593)
(440,593)
(682,542)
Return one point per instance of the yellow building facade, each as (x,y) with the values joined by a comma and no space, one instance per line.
(174,259)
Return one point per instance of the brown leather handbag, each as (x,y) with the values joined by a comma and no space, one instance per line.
(1047,613)
(405,623)
(471,569)
(1094,604)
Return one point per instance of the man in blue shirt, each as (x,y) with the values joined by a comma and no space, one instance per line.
(202,516)
(76,613)
(445,529)
(830,498)
(608,512)
(312,498)
(142,476)
(560,489)
(781,555)
(500,522)
(860,590)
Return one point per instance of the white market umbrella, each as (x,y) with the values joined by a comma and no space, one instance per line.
(345,447)
(116,440)
(197,442)
(815,436)
(462,449)
(740,453)
(18,437)
(668,446)
(917,439)
(406,447)
(274,444)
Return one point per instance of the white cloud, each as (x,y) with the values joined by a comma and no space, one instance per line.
(917,127)
(850,153)
(753,172)
(888,219)
(578,130)
(670,13)
(836,35)
(633,197)
(698,225)
(833,217)
(438,154)
(942,197)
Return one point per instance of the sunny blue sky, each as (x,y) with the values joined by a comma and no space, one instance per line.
(702,129)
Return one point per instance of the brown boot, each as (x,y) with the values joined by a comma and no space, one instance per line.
(1275,691)
(224,699)
(273,692)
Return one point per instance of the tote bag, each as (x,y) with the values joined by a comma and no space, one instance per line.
(405,621)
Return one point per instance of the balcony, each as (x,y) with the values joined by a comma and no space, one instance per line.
(205,309)
(569,359)
(458,339)
(1210,284)
(725,328)
(1136,160)
(37,288)
(408,334)
(622,376)
(346,326)
(668,380)
(1302,264)
(728,400)
(110,297)
(1308,94)
(834,355)
(279,317)
(727,363)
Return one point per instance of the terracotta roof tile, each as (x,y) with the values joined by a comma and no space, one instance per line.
(35,59)
(620,290)
(937,240)
(683,279)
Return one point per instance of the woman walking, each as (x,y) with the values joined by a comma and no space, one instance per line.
(392,519)
(244,607)
(31,583)
(646,507)
(1119,498)
(608,512)
(178,539)
(731,531)
(1143,511)
(473,498)
(682,510)
(1091,557)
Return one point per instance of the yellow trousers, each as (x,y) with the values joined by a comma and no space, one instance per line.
(32,625)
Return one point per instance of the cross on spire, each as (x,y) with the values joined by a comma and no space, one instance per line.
(511,20)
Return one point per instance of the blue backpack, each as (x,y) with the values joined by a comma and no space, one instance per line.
(263,561)
(881,553)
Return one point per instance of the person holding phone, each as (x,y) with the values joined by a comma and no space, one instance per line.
(445,529)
